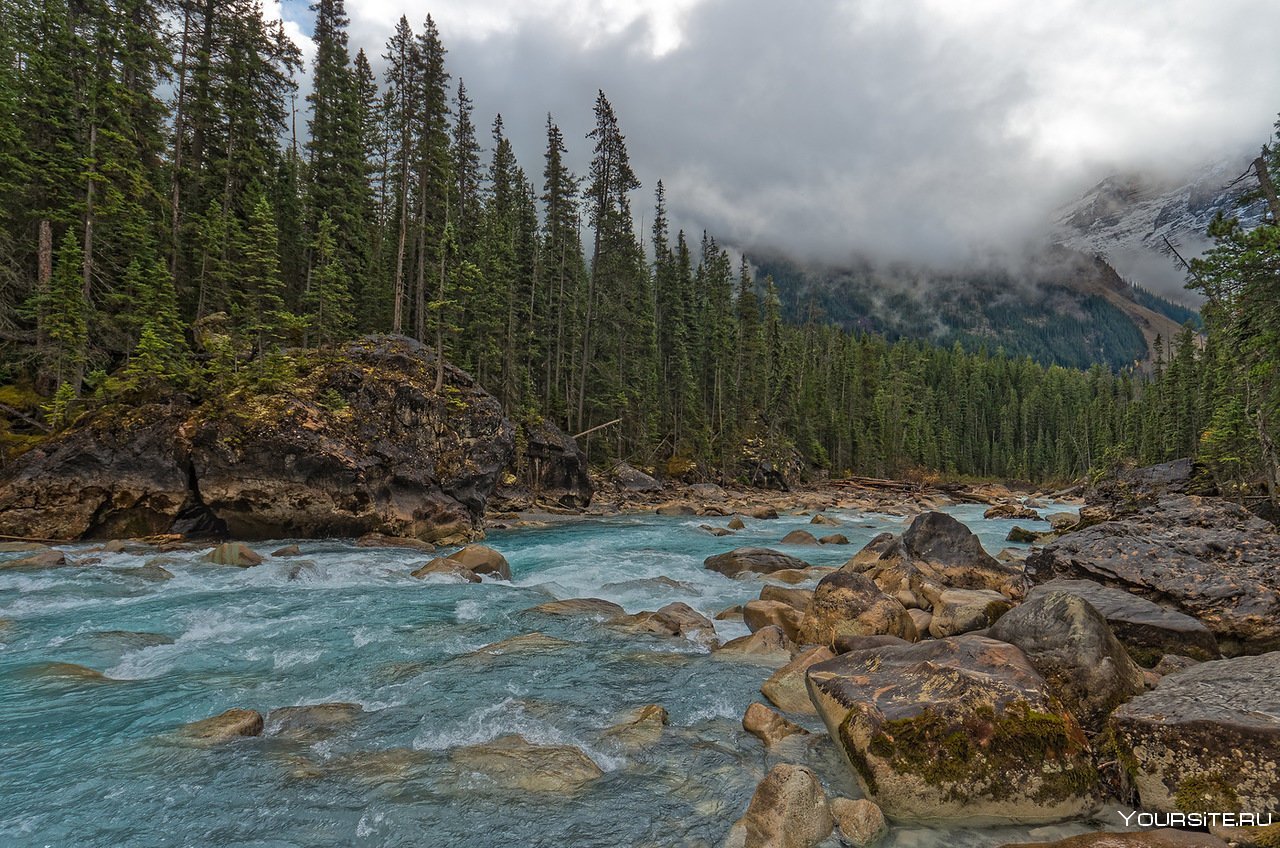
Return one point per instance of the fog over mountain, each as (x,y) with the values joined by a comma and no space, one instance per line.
(929,132)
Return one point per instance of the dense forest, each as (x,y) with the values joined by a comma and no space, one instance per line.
(168,227)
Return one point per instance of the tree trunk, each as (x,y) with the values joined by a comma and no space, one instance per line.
(1268,188)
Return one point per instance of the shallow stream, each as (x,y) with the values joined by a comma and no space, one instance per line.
(88,761)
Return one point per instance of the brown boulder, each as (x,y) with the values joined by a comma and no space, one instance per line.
(594,607)
(755,560)
(861,822)
(234,553)
(758,614)
(768,726)
(788,810)
(799,537)
(482,560)
(447,568)
(786,690)
(846,604)
(767,646)
(233,724)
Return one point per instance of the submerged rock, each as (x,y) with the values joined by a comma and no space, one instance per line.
(641,729)
(755,560)
(234,553)
(287,551)
(799,537)
(1206,557)
(677,619)
(312,721)
(65,672)
(834,539)
(382,540)
(962,729)
(1206,739)
(359,442)
(233,724)
(523,644)
(788,810)
(768,726)
(48,558)
(1147,630)
(736,523)
(768,645)
(512,762)
(826,520)
(593,607)
(715,531)
(861,822)
(1012,510)
(1070,644)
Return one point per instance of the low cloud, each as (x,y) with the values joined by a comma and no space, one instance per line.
(931,132)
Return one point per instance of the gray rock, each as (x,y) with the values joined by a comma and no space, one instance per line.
(1070,644)
(1206,557)
(1206,738)
(1146,629)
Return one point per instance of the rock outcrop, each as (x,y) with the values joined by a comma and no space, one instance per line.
(961,729)
(1206,739)
(359,442)
(551,466)
(1147,630)
(1205,557)
(846,604)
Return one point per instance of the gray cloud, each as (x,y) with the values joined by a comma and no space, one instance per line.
(930,131)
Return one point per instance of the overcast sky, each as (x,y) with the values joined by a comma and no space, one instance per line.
(907,129)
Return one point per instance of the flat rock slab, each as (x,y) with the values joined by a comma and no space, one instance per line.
(1146,629)
(1206,738)
(1206,557)
(957,730)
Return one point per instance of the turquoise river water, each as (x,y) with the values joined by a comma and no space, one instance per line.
(94,762)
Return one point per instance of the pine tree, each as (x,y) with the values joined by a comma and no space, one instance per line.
(329,301)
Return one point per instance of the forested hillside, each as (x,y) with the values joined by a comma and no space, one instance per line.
(165,226)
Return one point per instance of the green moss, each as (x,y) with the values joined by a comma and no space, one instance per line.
(1210,792)
(1265,837)
(992,752)
(995,609)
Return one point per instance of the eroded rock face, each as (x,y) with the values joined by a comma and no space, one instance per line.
(961,729)
(756,560)
(963,610)
(1147,630)
(1206,739)
(360,443)
(552,466)
(1070,644)
(846,604)
(1205,557)
(952,554)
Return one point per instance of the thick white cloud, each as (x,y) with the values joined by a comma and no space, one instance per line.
(921,129)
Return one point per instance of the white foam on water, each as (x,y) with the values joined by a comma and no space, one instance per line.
(368,827)
(290,658)
(469,610)
(206,627)
(507,718)
(718,706)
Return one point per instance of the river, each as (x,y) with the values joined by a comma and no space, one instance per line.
(94,762)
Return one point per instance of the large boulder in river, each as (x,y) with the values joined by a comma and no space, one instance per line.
(1147,630)
(961,729)
(954,555)
(1070,644)
(481,559)
(357,441)
(1206,557)
(846,604)
(757,560)
(1206,739)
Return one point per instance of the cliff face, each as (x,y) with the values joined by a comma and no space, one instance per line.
(360,442)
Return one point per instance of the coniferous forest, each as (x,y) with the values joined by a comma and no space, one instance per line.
(168,224)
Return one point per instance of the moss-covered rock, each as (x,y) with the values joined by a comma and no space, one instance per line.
(962,729)
(1206,739)
(354,441)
